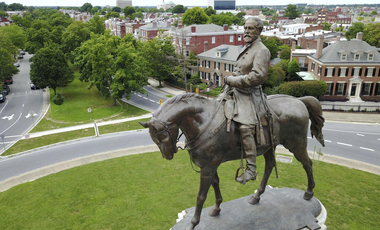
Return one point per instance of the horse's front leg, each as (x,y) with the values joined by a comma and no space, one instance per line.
(269,164)
(207,174)
(218,196)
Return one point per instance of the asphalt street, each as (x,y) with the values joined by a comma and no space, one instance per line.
(22,107)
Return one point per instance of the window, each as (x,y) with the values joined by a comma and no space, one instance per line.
(344,57)
(369,71)
(207,76)
(239,37)
(187,41)
(218,53)
(370,57)
(201,74)
(227,67)
(366,89)
(207,64)
(377,89)
(213,40)
(302,62)
(343,71)
(319,70)
(312,66)
(231,38)
(217,65)
(307,47)
(187,52)
(341,89)
(330,71)
(313,46)
(357,57)
(200,63)
(356,72)
(329,88)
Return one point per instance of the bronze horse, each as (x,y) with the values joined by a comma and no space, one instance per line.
(203,123)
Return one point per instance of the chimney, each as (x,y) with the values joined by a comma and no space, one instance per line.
(155,24)
(320,39)
(169,24)
(359,36)
(205,48)
(193,29)
(293,46)
(179,24)
(225,27)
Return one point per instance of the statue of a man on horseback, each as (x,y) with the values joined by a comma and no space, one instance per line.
(245,91)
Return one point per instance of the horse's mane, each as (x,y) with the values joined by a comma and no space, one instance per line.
(176,99)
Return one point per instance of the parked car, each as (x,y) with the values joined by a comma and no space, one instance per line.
(2,97)
(20,56)
(6,89)
(17,64)
(22,52)
(9,81)
(34,86)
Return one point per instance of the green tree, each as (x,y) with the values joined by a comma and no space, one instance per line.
(160,58)
(374,12)
(209,11)
(50,69)
(3,6)
(291,11)
(284,64)
(74,35)
(272,43)
(285,53)
(326,25)
(6,42)
(371,34)
(58,99)
(360,19)
(221,19)
(275,77)
(361,13)
(7,68)
(194,16)
(239,19)
(138,15)
(293,68)
(95,9)
(112,15)
(129,11)
(116,66)
(86,7)
(16,34)
(3,14)
(116,9)
(354,29)
(178,9)
(36,38)
(96,25)
(15,7)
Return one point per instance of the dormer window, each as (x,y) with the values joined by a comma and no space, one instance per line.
(344,57)
(370,57)
(357,57)
(218,54)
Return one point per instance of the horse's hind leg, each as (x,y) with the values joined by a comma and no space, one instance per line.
(269,164)
(302,156)
(218,196)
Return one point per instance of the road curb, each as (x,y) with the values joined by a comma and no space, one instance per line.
(50,169)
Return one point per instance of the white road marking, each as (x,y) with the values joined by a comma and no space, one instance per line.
(158,102)
(7,104)
(13,136)
(367,149)
(12,124)
(308,137)
(327,141)
(139,95)
(145,98)
(360,134)
(344,131)
(151,100)
(23,105)
(8,117)
(340,143)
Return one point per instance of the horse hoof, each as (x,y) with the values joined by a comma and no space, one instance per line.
(254,200)
(214,212)
(308,195)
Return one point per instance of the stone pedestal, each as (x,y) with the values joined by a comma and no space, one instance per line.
(279,208)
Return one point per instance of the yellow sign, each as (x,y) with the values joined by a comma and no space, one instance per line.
(160,101)
(197,90)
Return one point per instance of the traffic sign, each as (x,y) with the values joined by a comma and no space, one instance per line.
(160,101)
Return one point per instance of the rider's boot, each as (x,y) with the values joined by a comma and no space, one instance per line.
(249,147)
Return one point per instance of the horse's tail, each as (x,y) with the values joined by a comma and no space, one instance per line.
(315,115)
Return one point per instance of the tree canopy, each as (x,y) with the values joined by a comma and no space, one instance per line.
(129,11)
(178,9)
(7,68)
(86,7)
(291,11)
(194,16)
(209,11)
(354,29)
(116,66)
(294,67)
(272,43)
(371,34)
(50,69)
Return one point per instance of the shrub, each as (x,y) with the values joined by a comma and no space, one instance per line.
(303,88)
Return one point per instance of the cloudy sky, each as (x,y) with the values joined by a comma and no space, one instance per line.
(182,2)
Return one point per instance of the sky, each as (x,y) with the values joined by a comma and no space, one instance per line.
(181,2)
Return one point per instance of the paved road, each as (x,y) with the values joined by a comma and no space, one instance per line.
(149,101)
(22,107)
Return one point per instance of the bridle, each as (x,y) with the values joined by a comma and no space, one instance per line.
(167,131)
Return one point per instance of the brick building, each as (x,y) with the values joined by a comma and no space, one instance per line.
(351,69)
(200,38)
(149,31)
(216,63)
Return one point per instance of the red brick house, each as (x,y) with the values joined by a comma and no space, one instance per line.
(351,69)
(149,31)
(200,38)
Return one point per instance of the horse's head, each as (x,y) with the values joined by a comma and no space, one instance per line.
(165,136)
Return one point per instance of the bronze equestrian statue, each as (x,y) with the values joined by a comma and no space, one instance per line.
(221,130)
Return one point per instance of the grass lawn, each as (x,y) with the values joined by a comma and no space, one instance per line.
(74,109)
(146,192)
(27,144)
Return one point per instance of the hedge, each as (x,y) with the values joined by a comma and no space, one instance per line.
(303,88)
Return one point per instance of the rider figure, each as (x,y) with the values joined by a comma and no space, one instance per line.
(245,87)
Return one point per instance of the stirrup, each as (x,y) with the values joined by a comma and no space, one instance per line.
(237,173)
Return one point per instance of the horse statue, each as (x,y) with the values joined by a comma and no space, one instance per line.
(203,123)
